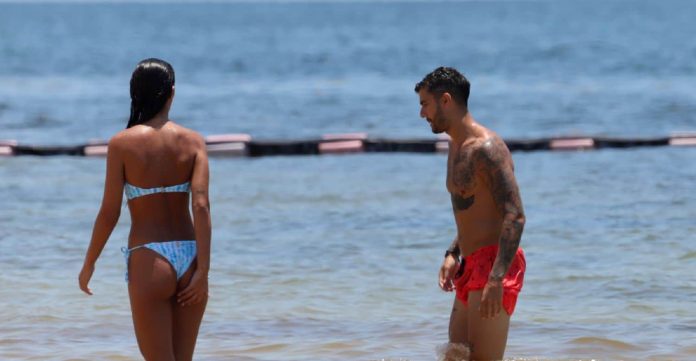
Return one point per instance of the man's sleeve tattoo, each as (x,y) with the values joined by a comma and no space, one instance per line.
(494,158)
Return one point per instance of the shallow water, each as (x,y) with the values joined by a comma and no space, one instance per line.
(336,258)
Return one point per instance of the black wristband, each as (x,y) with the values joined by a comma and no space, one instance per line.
(454,253)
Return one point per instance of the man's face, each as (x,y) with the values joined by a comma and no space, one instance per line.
(432,112)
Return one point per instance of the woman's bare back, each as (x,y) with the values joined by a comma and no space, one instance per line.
(158,155)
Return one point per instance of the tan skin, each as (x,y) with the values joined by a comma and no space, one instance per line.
(166,313)
(487,211)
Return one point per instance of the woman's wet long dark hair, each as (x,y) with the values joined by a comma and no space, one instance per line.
(150,88)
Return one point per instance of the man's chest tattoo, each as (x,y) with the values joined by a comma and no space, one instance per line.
(462,172)
(462,203)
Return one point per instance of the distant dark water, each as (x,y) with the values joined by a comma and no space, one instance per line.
(277,70)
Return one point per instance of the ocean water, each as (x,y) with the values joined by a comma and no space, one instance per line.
(336,257)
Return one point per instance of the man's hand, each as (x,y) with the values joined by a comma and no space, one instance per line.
(491,299)
(448,270)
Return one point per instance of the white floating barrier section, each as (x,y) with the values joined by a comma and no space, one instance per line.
(442,143)
(235,144)
(96,148)
(683,139)
(6,147)
(572,144)
(342,143)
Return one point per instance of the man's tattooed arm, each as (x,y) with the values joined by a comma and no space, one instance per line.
(495,163)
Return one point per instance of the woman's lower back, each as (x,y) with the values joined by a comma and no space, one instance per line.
(160,218)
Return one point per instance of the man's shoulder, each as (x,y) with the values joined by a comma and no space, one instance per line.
(491,150)
(489,142)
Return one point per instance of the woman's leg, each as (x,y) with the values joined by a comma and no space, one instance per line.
(151,286)
(186,321)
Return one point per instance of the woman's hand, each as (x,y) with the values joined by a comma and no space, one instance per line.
(196,291)
(84,277)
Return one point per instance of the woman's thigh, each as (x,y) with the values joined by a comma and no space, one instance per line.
(187,320)
(151,285)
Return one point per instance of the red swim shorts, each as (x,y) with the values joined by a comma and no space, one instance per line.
(477,267)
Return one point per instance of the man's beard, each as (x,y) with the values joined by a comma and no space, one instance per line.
(437,120)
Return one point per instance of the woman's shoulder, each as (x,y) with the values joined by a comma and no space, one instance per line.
(135,137)
(188,135)
(127,136)
(120,139)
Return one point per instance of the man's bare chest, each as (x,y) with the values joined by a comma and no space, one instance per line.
(462,177)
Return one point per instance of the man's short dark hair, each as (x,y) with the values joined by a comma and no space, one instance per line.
(447,80)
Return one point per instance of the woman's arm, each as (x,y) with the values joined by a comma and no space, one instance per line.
(197,290)
(109,212)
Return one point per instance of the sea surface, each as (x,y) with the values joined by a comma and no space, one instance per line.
(336,257)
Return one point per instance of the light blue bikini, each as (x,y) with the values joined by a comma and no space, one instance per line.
(180,254)
(135,192)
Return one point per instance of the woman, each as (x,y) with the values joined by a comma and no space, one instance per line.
(158,163)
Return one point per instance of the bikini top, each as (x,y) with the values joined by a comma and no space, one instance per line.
(135,192)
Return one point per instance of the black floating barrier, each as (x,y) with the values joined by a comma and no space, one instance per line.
(601,142)
(48,150)
(528,145)
(266,148)
(409,146)
(236,145)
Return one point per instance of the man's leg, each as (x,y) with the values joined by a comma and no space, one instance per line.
(458,348)
(458,326)
(487,337)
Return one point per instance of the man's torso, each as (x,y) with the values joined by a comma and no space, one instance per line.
(476,213)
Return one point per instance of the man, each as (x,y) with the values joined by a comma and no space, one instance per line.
(489,217)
